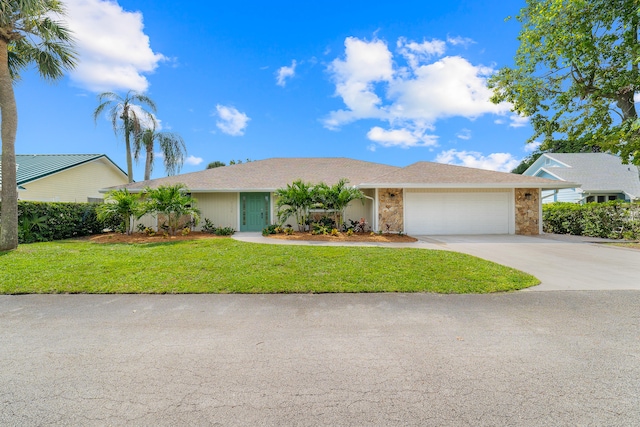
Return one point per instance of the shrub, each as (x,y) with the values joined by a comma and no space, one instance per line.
(270,229)
(613,219)
(47,221)
(209,227)
(224,231)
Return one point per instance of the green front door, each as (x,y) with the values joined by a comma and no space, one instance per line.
(254,211)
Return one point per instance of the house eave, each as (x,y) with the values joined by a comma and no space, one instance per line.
(550,186)
(207,190)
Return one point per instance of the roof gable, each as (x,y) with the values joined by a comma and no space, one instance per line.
(36,166)
(597,172)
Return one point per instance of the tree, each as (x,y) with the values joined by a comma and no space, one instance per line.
(337,197)
(120,206)
(171,145)
(576,73)
(216,164)
(173,201)
(29,34)
(126,117)
(295,199)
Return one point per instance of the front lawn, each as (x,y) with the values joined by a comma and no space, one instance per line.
(230,266)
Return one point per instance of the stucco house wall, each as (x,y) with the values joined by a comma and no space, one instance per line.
(77,184)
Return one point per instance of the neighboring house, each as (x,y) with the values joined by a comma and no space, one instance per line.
(423,198)
(66,177)
(602,177)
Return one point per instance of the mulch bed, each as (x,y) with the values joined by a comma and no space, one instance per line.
(143,238)
(342,237)
(194,235)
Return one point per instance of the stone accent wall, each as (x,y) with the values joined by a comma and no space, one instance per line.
(390,210)
(527,211)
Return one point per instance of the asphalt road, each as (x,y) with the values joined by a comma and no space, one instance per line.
(519,359)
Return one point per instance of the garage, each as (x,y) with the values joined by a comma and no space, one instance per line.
(459,212)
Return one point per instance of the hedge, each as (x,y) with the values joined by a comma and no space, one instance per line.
(47,221)
(614,220)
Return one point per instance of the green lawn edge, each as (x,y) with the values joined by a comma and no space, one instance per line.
(231,266)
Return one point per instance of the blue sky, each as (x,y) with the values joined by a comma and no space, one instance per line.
(386,82)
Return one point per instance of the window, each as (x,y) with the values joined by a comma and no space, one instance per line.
(601,198)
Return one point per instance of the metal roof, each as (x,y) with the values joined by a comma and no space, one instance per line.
(36,166)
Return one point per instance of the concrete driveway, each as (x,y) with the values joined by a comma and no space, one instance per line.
(560,262)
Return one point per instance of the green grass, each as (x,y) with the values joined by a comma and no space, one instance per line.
(230,266)
(629,245)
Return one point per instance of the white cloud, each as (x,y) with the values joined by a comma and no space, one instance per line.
(532,146)
(413,98)
(449,87)
(415,53)
(518,121)
(193,160)
(404,138)
(285,73)
(464,134)
(146,121)
(365,63)
(502,162)
(231,121)
(114,52)
(458,40)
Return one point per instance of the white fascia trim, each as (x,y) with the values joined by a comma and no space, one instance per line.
(559,184)
(556,160)
(212,190)
(549,172)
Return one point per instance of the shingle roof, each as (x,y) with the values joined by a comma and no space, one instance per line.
(438,175)
(271,174)
(36,166)
(597,172)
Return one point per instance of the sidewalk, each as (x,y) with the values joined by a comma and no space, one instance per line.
(256,237)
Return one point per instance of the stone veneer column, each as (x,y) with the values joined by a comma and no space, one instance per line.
(390,210)
(527,211)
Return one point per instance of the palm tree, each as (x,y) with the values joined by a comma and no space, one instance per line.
(171,145)
(120,206)
(337,197)
(295,199)
(124,114)
(28,35)
(174,202)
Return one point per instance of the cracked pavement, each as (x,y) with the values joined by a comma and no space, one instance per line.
(526,359)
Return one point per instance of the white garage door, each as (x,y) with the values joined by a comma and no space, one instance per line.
(457,213)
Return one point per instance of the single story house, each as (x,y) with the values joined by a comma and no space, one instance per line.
(66,177)
(603,177)
(422,198)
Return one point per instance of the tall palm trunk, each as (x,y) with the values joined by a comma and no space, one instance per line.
(148,161)
(9,195)
(127,143)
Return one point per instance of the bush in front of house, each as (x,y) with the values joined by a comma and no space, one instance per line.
(47,221)
(614,220)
